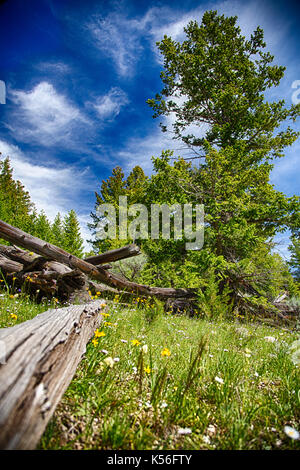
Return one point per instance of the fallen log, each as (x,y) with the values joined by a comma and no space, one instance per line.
(114,255)
(52,252)
(38,360)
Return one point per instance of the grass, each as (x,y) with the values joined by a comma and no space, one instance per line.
(159,381)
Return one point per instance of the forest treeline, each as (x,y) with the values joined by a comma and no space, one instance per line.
(17,209)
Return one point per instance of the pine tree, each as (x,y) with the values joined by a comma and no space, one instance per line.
(16,207)
(72,241)
(134,187)
(57,231)
(42,227)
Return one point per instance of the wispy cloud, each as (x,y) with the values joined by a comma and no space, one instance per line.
(43,115)
(109,106)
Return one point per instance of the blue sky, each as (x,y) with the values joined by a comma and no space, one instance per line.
(78,75)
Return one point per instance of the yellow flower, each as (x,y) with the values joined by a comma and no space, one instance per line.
(13,316)
(11,296)
(147,370)
(107,323)
(166,352)
(95,342)
(98,333)
(105,315)
(14,278)
(135,342)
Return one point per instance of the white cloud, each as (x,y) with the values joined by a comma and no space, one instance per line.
(44,115)
(109,106)
(118,38)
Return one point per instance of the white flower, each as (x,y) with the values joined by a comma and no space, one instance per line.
(109,361)
(219,380)
(145,348)
(206,439)
(183,431)
(270,339)
(116,359)
(104,351)
(291,432)
(124,341)
(211,429)
(163,404)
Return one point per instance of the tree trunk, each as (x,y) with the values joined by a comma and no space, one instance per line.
(39,359)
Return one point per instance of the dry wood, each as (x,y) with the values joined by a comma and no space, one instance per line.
(23,239)
(114,255)
(41,357)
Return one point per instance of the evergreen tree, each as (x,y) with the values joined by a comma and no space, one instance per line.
(57,231)
(134,187)
(42,227)
(16,207)
(72,241)
(217,79)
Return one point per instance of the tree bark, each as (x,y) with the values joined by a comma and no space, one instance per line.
(114,255)
(38,360)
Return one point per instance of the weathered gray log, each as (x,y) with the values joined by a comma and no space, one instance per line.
(114,255)
(39,359)
(23,239)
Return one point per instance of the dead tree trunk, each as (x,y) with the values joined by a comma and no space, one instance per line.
(52,252)
(38,360)
(114,255)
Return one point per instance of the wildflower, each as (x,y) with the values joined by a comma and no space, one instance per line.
(291,432)
(104,351)
(105,315)
(107,323)
(183,431)
(166,352)
(11,296)
(116,359)
(219,380)
(135,342)
(124,341)
(14,278)
(99,334)
(147,369)
(206,439)
(13,316)
(270,339)
(95,342)
(163,404)
(109,361)
(145,348)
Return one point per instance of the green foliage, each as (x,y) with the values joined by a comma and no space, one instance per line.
(16,207)
(295,257)
(72,241)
